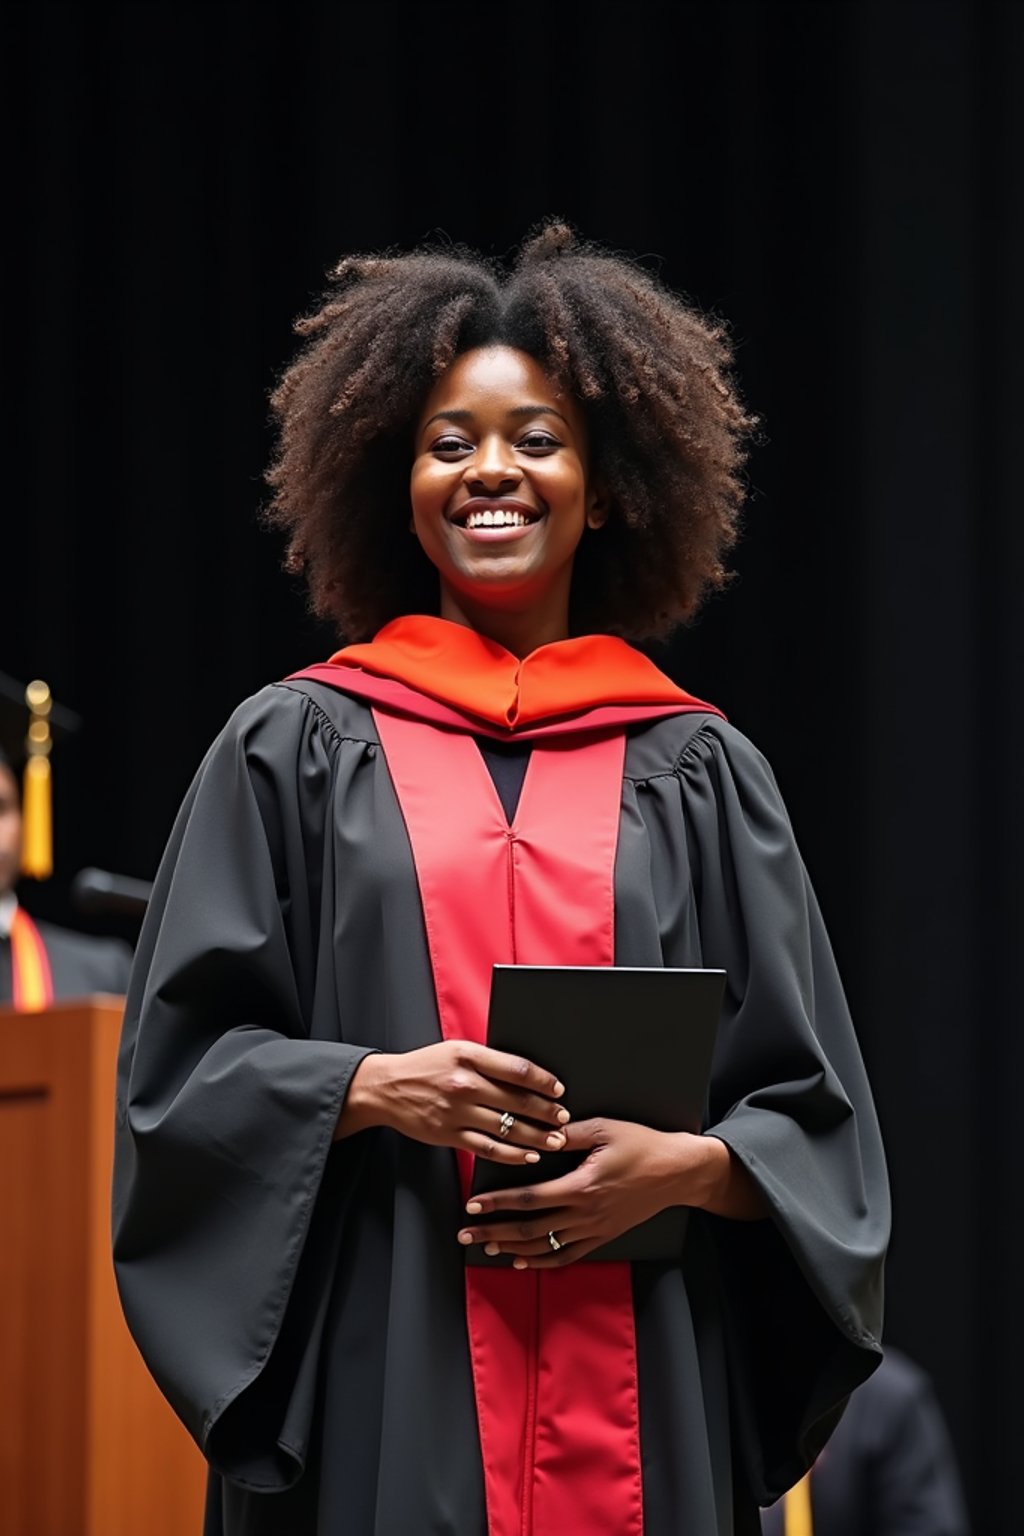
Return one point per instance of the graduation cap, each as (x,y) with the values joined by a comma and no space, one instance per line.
(30,723)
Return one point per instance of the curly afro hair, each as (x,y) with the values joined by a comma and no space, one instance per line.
(667,430)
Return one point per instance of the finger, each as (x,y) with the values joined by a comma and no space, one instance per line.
(535,1249)
(540,1247)
(584,1135)
(520,1248)
(522,1133)
(509,1234)
(554,1192)
(569,1253)
(495,1151)
(530,1106)
(515,1070)
(464,1084)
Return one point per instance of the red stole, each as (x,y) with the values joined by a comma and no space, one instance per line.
(31,981)
(554,1353)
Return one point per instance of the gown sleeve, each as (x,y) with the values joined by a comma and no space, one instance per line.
(229,1089)
(802,1291)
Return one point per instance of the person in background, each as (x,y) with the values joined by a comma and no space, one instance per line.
(40,963)
(889,1469)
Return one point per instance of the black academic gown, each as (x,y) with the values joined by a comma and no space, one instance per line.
(79,963)
(301,1301)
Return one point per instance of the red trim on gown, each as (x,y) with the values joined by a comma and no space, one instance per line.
(553,1352)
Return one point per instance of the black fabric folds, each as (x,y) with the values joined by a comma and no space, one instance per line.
(301,1301)
(801,1295)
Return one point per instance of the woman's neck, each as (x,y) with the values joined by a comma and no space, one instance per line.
(518,631)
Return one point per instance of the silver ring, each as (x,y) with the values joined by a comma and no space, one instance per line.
(553,1240)
(506,1123)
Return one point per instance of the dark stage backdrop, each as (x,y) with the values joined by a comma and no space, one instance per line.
(842,183)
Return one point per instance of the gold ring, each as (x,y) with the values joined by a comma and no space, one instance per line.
(506,1123)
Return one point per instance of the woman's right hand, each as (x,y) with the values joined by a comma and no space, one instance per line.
(453,1095)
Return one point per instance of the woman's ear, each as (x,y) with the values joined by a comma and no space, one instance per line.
(598,508)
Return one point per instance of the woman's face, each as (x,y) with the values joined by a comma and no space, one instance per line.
(500,490)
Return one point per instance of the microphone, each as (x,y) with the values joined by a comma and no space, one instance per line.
(97,890)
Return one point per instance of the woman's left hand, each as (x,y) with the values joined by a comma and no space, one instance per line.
(630,1173)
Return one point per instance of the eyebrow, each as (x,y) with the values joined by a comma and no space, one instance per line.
(516,410)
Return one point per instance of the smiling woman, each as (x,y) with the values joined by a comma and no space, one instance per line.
(498,478)
(501,495)
(640,382)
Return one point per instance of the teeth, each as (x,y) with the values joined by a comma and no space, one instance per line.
(496,519)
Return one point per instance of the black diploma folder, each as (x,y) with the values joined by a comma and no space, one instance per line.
(629,1044)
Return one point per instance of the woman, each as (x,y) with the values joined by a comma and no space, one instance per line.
(498,478)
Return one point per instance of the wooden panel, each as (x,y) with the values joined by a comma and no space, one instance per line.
(43,1242)
(145,1474)
(88,1447)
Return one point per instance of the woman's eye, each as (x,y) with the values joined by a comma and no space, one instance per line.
(449,445)
(539,440)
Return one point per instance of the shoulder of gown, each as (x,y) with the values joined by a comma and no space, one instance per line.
(231,1077)
(694,737)
(284,712)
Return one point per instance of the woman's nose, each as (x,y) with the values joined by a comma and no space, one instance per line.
(493,466)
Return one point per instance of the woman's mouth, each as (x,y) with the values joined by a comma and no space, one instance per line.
(491,520)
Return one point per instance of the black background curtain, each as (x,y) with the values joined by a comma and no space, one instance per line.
(841,182)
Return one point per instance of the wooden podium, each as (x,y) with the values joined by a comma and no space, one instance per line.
(88,1447)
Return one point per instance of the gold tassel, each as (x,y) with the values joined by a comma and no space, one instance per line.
(797,1509)
(37,798)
